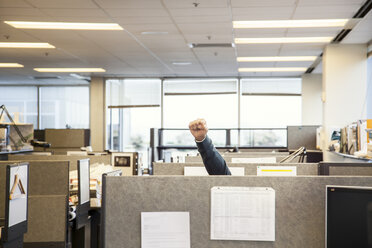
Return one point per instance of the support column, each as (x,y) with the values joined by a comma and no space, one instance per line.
(344,86)
(312,108)
(369,78)
(97,114)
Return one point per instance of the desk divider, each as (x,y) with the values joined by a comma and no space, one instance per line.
(47,204)
(106,159)
(159,169)
(299,214)
(228,159)
(345,169)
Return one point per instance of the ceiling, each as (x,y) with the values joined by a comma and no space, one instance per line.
(128,53)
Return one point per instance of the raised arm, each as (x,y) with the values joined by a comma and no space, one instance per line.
(213,161)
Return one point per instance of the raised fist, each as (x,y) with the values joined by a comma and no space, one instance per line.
(198,129)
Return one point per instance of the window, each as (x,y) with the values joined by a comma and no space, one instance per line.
(215,100)
(133,108)
(64,107)
(20,100)
(269,103)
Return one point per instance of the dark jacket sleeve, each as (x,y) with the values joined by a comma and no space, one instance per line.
(213,161)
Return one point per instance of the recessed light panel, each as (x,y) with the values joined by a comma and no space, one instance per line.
(276,58)
(273,69)
(10,65)
(291,23)
(69,69)
(25,45)
(64,25)
(283,40)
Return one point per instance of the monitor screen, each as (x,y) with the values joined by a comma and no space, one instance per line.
(348,217)
(83,174)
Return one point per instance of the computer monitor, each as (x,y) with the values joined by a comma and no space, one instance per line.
(16,202)
(83,206)
(348,216)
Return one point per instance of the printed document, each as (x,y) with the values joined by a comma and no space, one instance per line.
(201,171)
(165,229)
(243,213)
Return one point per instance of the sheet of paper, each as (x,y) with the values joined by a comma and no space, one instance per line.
(277,171)
(254,160)
(165,229)
(242,213)
(18,206)
(201,171)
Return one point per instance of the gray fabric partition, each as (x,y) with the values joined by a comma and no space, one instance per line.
(47,219)
(106,159)
(163,169)
(194,159)
(300,207)
(301,136)
(48,199)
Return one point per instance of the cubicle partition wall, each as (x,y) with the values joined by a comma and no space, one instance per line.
(230,156)
(105,159)
(298,136)
(299,207)
(345,169)
(47,203)
(250,169)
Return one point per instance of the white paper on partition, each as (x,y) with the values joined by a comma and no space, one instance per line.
(267,160)
(165,229)
(18,206)
(243,213)
(277,171)
(201,171)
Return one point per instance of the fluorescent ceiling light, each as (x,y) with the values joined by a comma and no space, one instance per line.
(10,65)
(25,45)
(181,63)
(273,69)
(291,23)
(65,25)
(69,69)
(276,58)
(283,40)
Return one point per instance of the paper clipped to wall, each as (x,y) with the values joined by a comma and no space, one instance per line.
(277,171)
(243,213)
(267,160)
(165,229)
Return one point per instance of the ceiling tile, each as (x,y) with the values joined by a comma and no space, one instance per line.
(14,4)
(259,3)
(5,12)
(262,13)
(130,4)
(178,4)
(330,2)
(73,4)
(325,11)
(74,12)
(143,12)
(207,28)
(129,20)
(200,12)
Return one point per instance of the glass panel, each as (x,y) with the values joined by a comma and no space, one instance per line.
(263,138)
(64,107)
(220,111)
(133,92)
(21,100)
(270,111)
(200,86)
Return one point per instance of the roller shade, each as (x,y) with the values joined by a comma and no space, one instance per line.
(200,86)
(279,86)
(133,92)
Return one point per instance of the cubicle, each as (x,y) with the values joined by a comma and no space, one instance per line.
(345,169)
(250,169)
(299,207)
(229,157)
(47,203)
(105,159)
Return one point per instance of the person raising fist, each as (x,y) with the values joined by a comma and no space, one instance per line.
(213,161)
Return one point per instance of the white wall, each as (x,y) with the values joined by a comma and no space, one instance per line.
(97,114)
(369,96)
(344,85)
(312,108)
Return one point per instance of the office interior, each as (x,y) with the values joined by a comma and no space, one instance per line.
(96,97)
